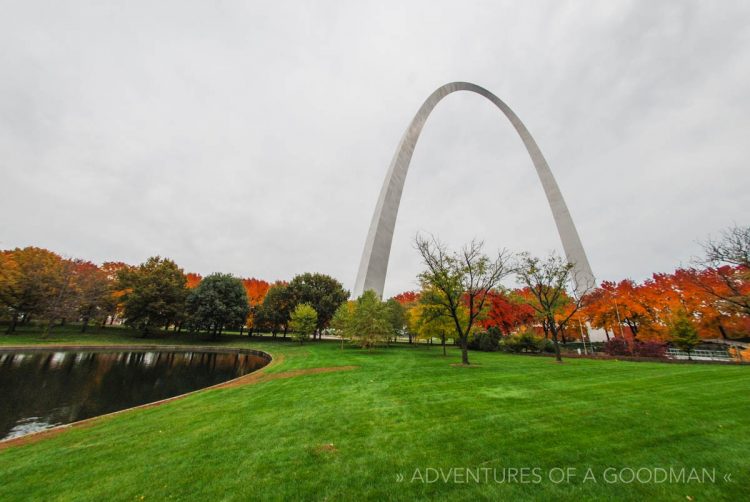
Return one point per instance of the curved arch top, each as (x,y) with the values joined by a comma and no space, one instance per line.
(374,263)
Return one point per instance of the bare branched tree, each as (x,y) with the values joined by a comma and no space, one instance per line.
(733,248)
(726,269)
(548,281)
(464,280)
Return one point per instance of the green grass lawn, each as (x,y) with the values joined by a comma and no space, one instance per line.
(349,435)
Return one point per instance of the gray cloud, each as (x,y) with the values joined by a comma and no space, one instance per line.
(252,138)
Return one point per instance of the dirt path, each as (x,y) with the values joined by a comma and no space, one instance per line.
(259,377)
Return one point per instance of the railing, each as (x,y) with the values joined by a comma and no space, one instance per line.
(701,355)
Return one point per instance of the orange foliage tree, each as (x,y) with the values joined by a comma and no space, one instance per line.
(256,290)
(193,280)
(111,269)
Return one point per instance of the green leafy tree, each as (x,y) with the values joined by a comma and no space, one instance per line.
(303,322)
(371,321)
(218,302)
(366,321)
(342,322)
(546,282)
(525,341)
(274,313)
(397,317)
(155,293)
(324,293)
(430,319)
(684,334)
(464,280)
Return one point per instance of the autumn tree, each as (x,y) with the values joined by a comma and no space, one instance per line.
(9,279)
(622,304)
(409,300)
(114,306)
(464,279)
(93,292)
(324,293)
(303,322)
(601,310)
(256,290)
(155,294)
(62,302)
(547,281)
(217,303)
(30,283)
(507,312)
(192,280)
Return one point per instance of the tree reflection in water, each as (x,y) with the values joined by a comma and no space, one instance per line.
(39,390)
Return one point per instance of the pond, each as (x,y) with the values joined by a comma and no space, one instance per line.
(43,389)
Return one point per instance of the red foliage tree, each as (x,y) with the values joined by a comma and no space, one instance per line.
(506,312)
(407,297)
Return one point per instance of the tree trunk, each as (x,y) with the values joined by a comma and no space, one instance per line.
(47,328)
(464,350)
(633,328)
(13,322)
(443,339)
(85,324)
(553,330)
(723,333)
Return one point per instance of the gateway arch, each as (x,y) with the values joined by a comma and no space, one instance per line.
(374,263)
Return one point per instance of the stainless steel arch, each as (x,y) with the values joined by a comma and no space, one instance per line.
(374,263)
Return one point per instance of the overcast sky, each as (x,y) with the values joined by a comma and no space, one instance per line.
(253,137)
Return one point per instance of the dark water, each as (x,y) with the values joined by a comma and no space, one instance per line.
(39,390)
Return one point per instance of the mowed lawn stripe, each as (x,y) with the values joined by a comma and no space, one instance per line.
(346,435)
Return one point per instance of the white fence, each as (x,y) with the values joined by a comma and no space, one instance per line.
(699,355)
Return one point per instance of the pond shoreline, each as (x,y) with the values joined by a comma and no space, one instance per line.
(134,348)
(33,437)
